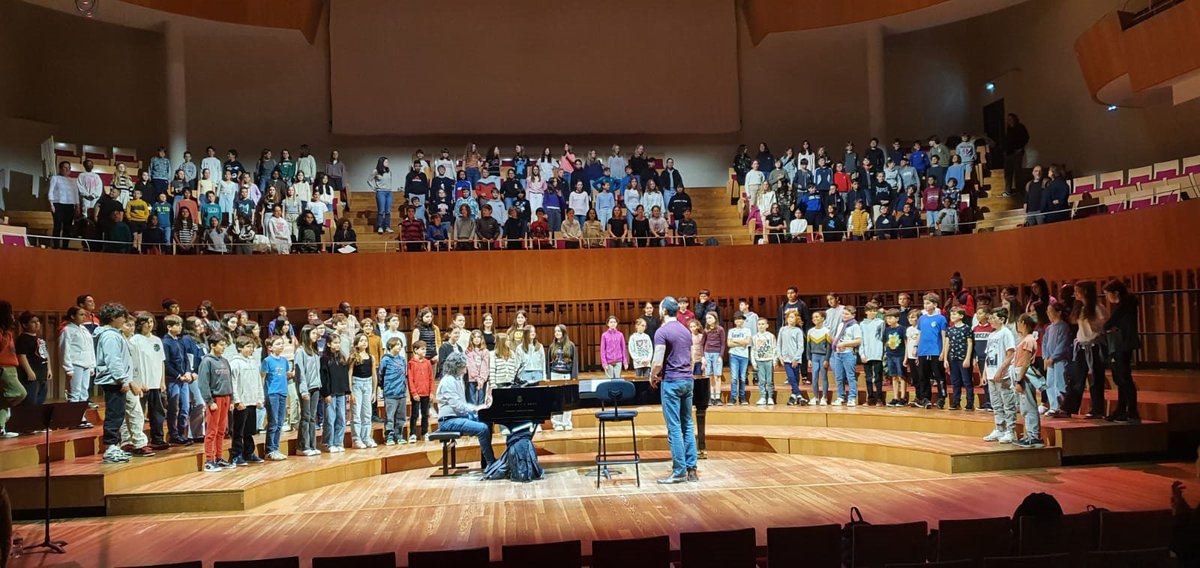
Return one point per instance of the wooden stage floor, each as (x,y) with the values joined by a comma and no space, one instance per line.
(411,511)
(775,466)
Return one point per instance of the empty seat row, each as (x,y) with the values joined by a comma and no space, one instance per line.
(106,155)
(1186,171)
(1084,540)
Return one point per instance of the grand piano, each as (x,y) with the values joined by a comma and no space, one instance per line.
(536,403)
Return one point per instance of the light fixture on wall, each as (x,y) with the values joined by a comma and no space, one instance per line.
(86,7)
(1112,108)
(990,86)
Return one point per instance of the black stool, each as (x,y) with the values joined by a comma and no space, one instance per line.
(449,442)
(614,391)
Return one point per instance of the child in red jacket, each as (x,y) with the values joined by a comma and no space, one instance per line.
(420,388)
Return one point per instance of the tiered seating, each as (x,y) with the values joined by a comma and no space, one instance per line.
(108,156)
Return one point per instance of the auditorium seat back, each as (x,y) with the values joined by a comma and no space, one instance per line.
(649,552)
(817,546)
(718,549)
(566,554)
(462,558)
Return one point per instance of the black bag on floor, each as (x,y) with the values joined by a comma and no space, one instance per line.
(856,519)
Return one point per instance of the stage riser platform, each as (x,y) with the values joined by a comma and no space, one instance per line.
(367,463)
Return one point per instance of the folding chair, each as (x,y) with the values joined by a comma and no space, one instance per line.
(1140,175)
(1083,184)
(1167,170)
(1110,180)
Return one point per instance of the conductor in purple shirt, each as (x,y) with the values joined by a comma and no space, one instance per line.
(672,371)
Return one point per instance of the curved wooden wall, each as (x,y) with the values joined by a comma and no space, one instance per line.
(1148,240)
(768,16)
(1152,53)
(301,15)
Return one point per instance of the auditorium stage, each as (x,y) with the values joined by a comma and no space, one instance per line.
(767,466)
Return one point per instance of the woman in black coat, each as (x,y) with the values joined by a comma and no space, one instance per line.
(1123,340)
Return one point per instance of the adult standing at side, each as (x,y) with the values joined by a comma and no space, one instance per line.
(64,200)
(1016,137)
(672,372)
(1123,340)
(1033,198)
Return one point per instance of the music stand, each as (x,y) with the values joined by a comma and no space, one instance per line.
(49,416)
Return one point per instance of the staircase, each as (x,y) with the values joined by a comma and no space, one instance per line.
(710,208)
(999,213)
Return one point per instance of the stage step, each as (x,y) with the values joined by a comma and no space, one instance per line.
(248,487)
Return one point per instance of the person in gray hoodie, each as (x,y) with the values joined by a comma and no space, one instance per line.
(114,375)
(216,389)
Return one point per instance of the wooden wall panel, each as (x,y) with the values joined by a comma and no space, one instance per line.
(1150,240)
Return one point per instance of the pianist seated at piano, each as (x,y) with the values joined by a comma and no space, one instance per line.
(455,413)
(519,461)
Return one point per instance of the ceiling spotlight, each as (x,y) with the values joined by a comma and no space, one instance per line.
(990,86)
(86,7)
(1112,108)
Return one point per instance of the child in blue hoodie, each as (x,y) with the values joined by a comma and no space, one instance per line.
(114,375)
(393,379)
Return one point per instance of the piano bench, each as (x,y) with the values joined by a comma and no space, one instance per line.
(449,442)
(616,415)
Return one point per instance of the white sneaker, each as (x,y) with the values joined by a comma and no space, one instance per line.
(359,445)
(276,456)
(310,453)
(412,439)
(822,402)
(837,402)
(994,436)
(341,449)
(559,428)
(812,402)
(852,402)
(372,444)
(761,401)
(1008,438)
(1042,409)
(771,401)
(569,427)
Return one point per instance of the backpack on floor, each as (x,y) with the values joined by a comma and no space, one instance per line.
(856,520)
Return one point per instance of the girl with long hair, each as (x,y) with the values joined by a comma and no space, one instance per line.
(335,387)
(505,364)
(362,393)
(563,362)
(533,357)
(1090,351)
(479,368)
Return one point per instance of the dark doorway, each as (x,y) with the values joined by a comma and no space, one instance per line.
(993,122)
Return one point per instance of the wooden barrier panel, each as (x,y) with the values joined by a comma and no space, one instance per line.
(1154,239)
(1152,53)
